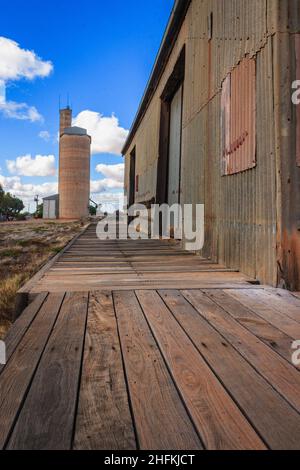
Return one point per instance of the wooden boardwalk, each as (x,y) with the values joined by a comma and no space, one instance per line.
(91,264)
(132,367)
(151,369)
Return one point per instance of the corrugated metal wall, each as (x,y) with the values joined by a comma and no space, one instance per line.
(241,209)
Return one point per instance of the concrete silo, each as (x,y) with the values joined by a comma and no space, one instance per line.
(74,168)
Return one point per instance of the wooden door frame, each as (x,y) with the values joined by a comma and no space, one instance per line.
(175,81)
(132,172)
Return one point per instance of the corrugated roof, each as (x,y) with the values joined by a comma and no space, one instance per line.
(51,198)
(75,131)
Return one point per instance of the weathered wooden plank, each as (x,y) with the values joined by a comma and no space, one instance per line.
(46,420)
(269,334)
(75,271)
(160,417)
(217,418)
(17,374)
(275,420)
(283,294)
(103,419)
(19,328)
(72,285)
(282,301)
(277,371)
(252,300)
(153,276)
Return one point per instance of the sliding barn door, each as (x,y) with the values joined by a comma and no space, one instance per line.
(175,148)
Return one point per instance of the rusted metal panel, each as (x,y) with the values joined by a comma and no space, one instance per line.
(225,122)
(297,48)
(239,117)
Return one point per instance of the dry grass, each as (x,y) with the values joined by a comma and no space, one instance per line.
(24,248)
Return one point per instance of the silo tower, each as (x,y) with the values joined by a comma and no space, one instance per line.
(74,168)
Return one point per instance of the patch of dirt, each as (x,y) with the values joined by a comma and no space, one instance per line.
(24,248)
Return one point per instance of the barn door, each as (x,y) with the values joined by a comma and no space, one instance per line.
(175,148)
(132,187)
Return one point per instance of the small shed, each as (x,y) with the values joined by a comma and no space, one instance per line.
(51,207)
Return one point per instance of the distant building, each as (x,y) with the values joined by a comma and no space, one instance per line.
(51,207)
(217,126)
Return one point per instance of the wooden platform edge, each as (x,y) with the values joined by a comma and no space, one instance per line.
(23,297)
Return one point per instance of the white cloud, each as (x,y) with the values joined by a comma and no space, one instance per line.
(40,165)
(103,192)
(98,186)
(17,63)
(20,111)
(115,172)
(26,192)
(2,92)
(45,135)
(107,135)
(109,201)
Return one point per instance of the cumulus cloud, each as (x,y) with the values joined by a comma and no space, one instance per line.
(20,111)
(17,63)
(45,135)
(98,186)
(103,192)
(40,165)
(107,135)
(109,201)
(115,172)
(26,192)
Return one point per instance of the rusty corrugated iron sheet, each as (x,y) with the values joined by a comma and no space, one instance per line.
(225,122)
(297,48)
(238,114)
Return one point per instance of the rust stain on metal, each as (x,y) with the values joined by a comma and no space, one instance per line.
(290,271)
(225,124)
(297,48)
(239,118)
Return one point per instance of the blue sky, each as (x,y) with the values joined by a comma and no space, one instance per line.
(101,54)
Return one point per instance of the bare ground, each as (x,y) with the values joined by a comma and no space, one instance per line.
(24,248)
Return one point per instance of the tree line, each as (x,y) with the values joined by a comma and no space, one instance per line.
(10,206)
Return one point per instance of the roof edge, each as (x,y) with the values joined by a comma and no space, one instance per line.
(176,19)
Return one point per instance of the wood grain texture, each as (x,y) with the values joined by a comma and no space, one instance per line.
(269,334)
(217,418)
(91,264)
(282,301)
(104,419)
(275,420)
(277,371)
(160,418)
(17,375)
(47,418)
(264,309)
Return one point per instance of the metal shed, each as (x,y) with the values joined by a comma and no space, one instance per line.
(51,207)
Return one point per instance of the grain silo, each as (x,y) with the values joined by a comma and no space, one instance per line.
(74,168)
